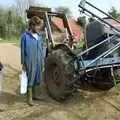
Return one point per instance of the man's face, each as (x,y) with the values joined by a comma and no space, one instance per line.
(36,28)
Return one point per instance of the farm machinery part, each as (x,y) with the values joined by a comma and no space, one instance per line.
(65,70)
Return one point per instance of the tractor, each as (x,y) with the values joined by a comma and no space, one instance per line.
(98,62)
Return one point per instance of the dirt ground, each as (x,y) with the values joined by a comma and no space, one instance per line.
(84,105)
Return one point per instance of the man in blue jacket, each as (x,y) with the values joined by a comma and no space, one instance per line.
(32,58)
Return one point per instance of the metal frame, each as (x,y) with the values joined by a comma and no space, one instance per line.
(101,61)
(48,29)
(83,65)
(82,6)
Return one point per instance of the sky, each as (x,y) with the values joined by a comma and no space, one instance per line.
(104,5)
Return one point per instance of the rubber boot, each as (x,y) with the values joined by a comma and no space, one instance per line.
(35,96)
(29,97)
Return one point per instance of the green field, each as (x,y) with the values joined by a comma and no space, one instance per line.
(15,41)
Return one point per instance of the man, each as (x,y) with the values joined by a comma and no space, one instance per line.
(32,58)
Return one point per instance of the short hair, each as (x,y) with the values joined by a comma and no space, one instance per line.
(35,21)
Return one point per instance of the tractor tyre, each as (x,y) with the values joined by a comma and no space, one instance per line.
(103,79)
(116,75)
(60,74)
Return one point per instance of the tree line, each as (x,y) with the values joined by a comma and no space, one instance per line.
(10,23)
(13,19)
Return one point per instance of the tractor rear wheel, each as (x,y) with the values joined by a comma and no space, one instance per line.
(60,74)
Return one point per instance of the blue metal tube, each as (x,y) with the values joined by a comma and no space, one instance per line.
(91,48)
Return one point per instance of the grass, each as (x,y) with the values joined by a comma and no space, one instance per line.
(15,41)
(80,44)
(118,87)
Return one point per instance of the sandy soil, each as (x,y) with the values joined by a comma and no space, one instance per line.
(84,105)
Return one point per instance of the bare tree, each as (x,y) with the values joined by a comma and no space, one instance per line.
(21,6)
(32,2)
